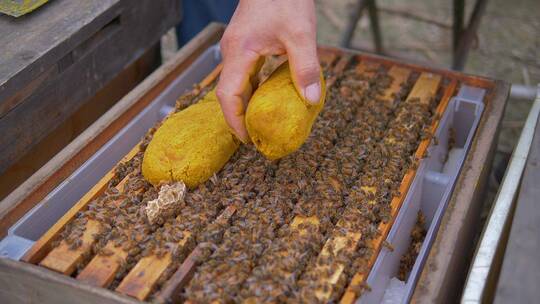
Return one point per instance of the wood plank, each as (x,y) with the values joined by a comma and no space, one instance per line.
(400,75)
(100,49)
(58,26)
(359,278)
(43,245)
(425,88)
(473,80)
(92,109)
(24,283)
(445,99)
(64,259)
(367,68)
(209,79)
(170,292)
(301,221)
(143,277)
(184,272)
(102,269)
(326,58)
(332,248)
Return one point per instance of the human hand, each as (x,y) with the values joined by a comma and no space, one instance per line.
(262,28)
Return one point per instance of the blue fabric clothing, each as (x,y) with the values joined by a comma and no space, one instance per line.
(197,14)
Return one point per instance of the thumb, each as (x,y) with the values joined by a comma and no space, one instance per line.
(306,71)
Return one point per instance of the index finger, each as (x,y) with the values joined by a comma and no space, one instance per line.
(235,86)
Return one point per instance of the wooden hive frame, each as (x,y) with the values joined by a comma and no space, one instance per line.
(140,281)
(181,276)
(424,90)
(101,270)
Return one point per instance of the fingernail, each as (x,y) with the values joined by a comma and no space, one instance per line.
(243,137)
(239,135)
(240,132)
(312,93)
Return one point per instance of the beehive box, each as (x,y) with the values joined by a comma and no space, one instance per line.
(304,227)
(63,65)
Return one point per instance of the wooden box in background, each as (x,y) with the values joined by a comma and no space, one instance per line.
(63,66)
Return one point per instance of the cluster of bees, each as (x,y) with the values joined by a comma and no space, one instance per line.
(279,276)
(121,214)
(368,203)
(257,223)
(358,152)
(418,235)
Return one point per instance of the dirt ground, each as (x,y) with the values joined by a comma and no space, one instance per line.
(507,46)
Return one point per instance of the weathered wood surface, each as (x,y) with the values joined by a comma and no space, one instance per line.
(44,244)
(23,283)
(101,270)
(446,267)
(27,43)
(520,274)
(56,58)
(64,259)
(92,109)
(141,279)
(171,291)
(70,158)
